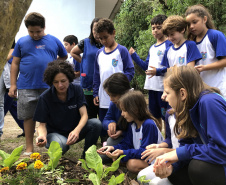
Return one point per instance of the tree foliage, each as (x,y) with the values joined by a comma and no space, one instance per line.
(133,27)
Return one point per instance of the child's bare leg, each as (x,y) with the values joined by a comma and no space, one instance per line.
(136,165)
(29,127)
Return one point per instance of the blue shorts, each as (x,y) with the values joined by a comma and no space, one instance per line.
(156,106)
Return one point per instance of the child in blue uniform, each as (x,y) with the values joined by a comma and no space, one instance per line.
(88,47)
(200,119)
(211,44)
(182,52)
(112,58)
(142,131)
(154,150)
(69,42)
(154,84)
(31,55)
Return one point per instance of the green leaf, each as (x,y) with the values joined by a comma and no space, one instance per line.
(142,179)
(112,180)
(94,161)
(119,179)
(15,155)
(114,166)
(31,166)
(55,153)
(71,180)
(84,166)
(95,180)
(4,155)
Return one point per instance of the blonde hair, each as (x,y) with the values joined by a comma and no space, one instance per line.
(174,23)
(188,78)
(200,11)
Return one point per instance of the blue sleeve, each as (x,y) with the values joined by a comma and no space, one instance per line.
(218,41)
(212,129)
(165,61)
(96,76)
(128,67)
(77,65)
(110,116)
(140,62)
(150,135)
(193,53)
(168,131)
(17,51)
(62,51)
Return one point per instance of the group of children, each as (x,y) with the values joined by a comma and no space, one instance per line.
(175,71)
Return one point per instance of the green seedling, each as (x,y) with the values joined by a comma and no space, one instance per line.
(9,159)
(93,164)
(142,179)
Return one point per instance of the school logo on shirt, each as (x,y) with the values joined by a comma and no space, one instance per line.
(140,141)
(40,47)
(114,62)
(181,60)
(72,106)
(204,55)
(159,53)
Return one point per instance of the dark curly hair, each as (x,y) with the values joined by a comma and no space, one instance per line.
(105,25)
(58,66)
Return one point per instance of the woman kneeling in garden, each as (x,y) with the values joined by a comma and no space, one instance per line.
(61,111)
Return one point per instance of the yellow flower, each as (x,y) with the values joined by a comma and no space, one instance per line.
(4,169)
(35,156)
(38,164)
(21,166)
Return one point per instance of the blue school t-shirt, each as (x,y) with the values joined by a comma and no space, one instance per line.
(182,55)
(34,56)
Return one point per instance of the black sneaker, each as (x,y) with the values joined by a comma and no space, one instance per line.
(21,135)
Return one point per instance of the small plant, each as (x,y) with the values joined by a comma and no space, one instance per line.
(142,179)
(9,159)
(93,164)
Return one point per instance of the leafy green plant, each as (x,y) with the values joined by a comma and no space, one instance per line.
(142,179)
(9,159)
(55,153)
(93,164)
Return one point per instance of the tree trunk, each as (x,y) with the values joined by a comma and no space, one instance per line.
(11,14)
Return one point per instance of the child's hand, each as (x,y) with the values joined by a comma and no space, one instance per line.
(151,72)
(152,146)
(163,170)
(150,154)
(96,101)
(105,149)
(114,155)
(111,129)
(200,68)
(116,135)
(131,51)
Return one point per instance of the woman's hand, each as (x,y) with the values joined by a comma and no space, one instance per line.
(111,128)
(72,137)
(105,149)
(41,141)
(150,154)
(116,135)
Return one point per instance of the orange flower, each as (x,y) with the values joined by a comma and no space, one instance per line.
(38,164)
(21,166)
(35,156)
(4,169)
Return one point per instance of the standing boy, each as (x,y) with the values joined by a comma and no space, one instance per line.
(69,42)
(154,84)
(31,55)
